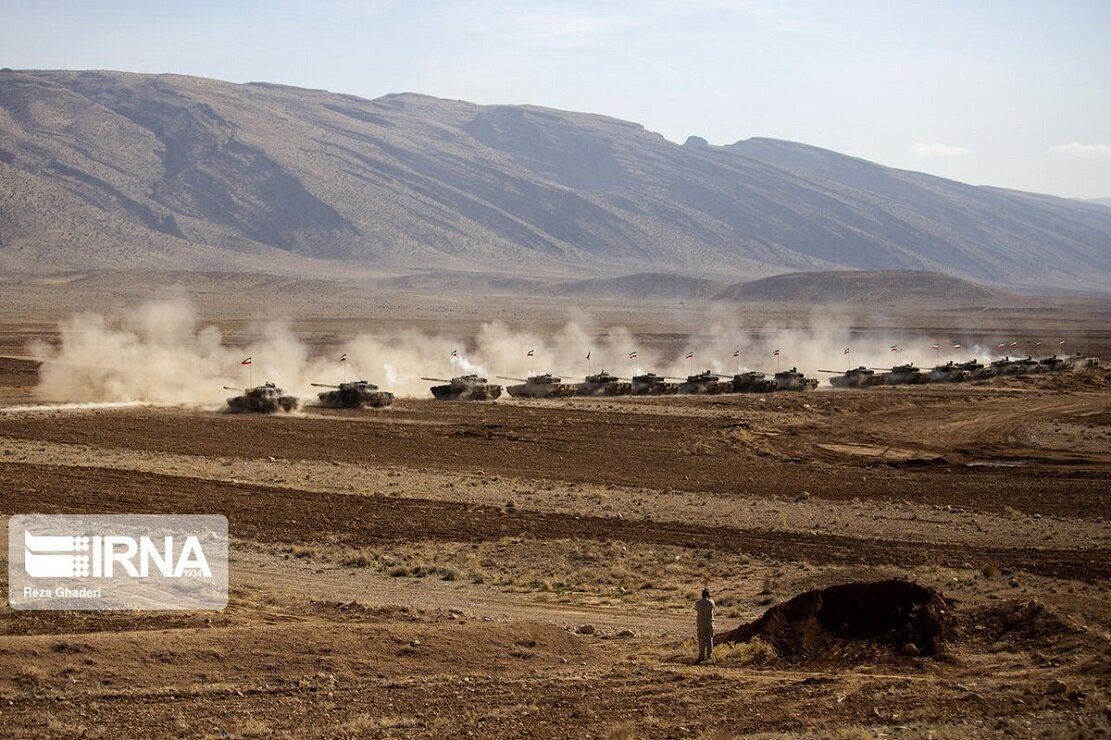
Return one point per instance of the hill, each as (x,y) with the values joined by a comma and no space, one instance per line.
(644,285)
(861,287)
(115,170)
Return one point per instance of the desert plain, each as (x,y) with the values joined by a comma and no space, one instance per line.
(518,567)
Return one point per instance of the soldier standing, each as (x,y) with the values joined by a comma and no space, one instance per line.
(704,609)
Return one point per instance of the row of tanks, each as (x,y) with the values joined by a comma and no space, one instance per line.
(956,372)
(269,398)
(603,383)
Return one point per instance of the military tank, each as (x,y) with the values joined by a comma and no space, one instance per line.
(353,395)
(858,377)
(1053,364)
(540,386)
(793,380)
(603,384)
(905,374)
(1007,366)
(753,382)
(950,372)
(464,388)
(650,384)
(264,399)
(1080,361)
(705,383)
(977,370)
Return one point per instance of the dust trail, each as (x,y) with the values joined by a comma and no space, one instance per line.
(159,353)
(70,406)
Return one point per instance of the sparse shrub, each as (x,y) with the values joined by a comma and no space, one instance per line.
(356,561)
(990,571)
(397,571)
(754,652)
(30,676)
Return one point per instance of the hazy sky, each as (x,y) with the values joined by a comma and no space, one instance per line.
(1010,93)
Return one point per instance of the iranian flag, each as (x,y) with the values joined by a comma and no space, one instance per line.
(246,362)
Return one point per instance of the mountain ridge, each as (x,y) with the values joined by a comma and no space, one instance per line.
(104,169)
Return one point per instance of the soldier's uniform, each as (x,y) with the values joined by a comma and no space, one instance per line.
(704,609)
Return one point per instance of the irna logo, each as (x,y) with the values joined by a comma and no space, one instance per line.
(109,556)
(118,562)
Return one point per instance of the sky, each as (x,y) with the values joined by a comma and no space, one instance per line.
(1013,93)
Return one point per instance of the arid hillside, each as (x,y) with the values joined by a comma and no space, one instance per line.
(115,170)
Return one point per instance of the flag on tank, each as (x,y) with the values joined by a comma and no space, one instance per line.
(775,353)
(246,361)
(633,355)
(529,353)
(343,357)
(690,356)
(894,348)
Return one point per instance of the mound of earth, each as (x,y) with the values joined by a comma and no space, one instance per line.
(893,612)
(858,286)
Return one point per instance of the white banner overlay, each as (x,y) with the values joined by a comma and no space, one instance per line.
(118,562)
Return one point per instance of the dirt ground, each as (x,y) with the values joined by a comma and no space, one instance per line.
(423,570)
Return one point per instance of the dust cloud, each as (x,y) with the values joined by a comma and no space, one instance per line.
(159,353)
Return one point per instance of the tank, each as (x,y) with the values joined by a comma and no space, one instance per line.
(858,377)
(950,372)
(977,370)
(705,383)
(353,395)
(540,386)
(464,388)
(793,380)
(1080,361)
(1007,366)
(650,384)
(1053,364)
(753,382)
(603,384)
(264,399)
(906,374)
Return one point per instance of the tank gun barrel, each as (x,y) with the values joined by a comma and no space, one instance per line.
(323,385)
(229,388)
(436,380)
(502,377)
(833,372)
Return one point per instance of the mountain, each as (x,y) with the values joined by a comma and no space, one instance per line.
(1100,201)
(860,287)
(116,170)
